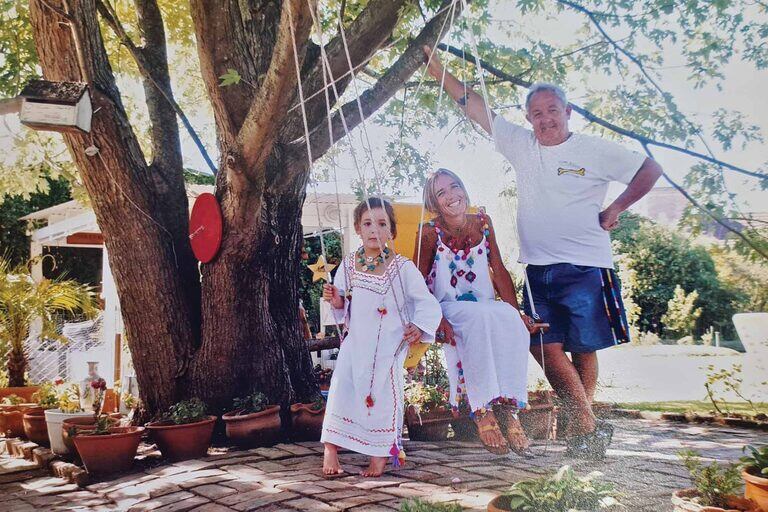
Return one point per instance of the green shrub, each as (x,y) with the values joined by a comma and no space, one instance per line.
(188,411)
(714,482)
(417,505)
(255,402)
(757,461)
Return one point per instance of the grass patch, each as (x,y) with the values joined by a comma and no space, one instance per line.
(695,406)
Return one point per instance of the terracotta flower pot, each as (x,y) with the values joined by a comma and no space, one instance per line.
(81,424)
(35,427)
(756,489)
(464,429)
(111,453)
(431,426)
(539,421)
(54,418)
(307,422)
(499,504)
(682,501)
(179,442)
(24,392)
(256,429)
(12,419)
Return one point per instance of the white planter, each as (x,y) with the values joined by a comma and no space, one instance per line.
(54,418)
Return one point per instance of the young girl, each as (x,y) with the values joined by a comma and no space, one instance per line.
(486,341)
(381,299)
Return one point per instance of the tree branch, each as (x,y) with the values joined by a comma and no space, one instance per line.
(462,54)
(392,80)
(257,136)
(709,213)
(109,15)
(365,36)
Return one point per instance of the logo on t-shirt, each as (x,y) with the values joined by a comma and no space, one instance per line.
(577,172)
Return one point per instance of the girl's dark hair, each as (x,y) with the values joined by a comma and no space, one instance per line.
(376,202)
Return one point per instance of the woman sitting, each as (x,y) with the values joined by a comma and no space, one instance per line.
(485,341)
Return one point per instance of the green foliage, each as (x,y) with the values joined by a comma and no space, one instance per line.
(418,505)
(255,402)
(309,292)
(682,313)
(46,396)
(427,398)
(187,411)
(231,77)
(13,235)
(22,300)
(198,178)
(13,400)
(724,380)
(562,492)
(714,482)
(756,462)
(660,261)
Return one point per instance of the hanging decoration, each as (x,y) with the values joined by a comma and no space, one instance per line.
(205,227)
(321,269)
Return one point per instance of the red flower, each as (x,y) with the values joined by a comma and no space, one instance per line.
(58,382)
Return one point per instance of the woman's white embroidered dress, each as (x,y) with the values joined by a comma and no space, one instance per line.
(492,342)
(349,423)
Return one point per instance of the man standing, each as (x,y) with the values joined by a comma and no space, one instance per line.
(562,181)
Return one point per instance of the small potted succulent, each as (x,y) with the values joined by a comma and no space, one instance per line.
(562,492)
(184,431)
(253,421)
(755,474)
(33,420)
(307,419)
(12,409)
(68,396)
(716,488)
(428,412)
(106,448)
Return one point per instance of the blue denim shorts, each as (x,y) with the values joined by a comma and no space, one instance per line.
(582,305)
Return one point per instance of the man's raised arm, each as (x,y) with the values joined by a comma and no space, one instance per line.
(469,101)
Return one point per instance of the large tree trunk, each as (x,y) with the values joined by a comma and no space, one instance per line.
(243,334)
(251,333)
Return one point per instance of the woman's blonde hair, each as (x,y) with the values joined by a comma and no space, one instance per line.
(430,197)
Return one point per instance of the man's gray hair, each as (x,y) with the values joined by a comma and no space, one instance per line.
(542,87)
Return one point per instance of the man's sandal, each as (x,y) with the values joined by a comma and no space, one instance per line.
(491,426)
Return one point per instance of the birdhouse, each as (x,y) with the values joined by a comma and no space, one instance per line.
(56,106)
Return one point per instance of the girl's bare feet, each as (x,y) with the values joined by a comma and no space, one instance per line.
(376,467)
(331,466)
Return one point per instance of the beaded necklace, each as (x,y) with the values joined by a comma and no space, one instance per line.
(462,256)
(369,263)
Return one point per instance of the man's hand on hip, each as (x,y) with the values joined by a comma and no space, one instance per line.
(609,218)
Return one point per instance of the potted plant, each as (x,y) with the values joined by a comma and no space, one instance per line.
(253,421)
(33,420)
(428,412)
(12,409)
(716,488)
(539,418)
(68,395)
(307,419)
(755,474)
(104,447)
(71,426)
(22,300)
(184,431)
(562,492)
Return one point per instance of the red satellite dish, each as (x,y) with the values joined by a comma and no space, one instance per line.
(205,227)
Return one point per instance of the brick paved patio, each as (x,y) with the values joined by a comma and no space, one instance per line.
(641,461)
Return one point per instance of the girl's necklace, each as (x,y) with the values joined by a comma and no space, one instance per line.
(369,263)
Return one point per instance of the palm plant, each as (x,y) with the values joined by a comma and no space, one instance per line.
(23,300)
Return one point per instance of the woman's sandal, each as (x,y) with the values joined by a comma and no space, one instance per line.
(514,434)
(486,422)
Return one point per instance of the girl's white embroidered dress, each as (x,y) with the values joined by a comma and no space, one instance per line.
(349,422)
(490,358)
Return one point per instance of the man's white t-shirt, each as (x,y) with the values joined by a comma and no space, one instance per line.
(561,190)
